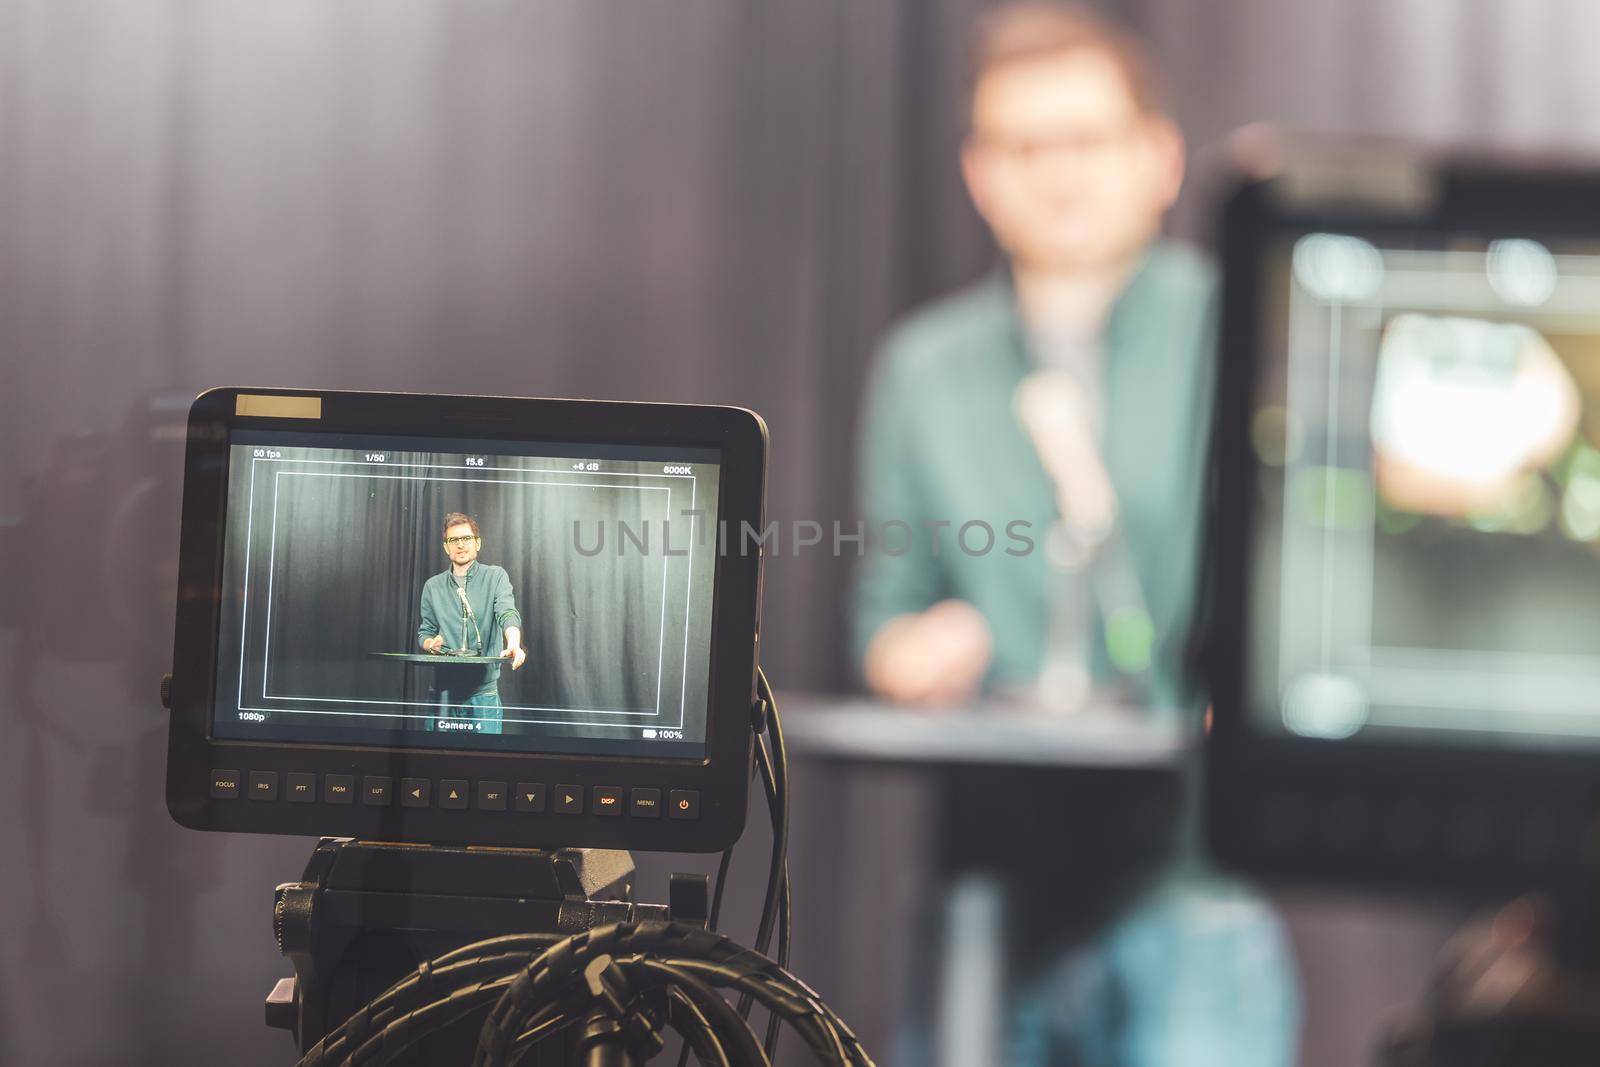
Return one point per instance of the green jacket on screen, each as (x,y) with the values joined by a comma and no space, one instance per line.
(940,441)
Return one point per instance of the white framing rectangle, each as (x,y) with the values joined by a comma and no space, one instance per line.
(249,548)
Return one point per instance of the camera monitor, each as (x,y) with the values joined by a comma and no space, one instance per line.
(467,619)
(1405,548)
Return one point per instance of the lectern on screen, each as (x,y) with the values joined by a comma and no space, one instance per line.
(1405,541)
(455,591)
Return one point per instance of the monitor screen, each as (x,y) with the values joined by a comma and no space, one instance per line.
(472,594)
(1426,556)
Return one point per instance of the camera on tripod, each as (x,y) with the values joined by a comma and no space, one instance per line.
(479,646)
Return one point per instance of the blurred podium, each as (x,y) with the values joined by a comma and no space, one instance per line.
(1037,827)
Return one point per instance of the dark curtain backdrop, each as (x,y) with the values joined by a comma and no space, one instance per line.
(348,556)
(705,200)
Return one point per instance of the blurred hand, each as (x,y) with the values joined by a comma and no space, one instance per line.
(516,655)
(434,643)
(936,657)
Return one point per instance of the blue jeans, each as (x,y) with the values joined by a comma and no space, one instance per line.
(484,708)
(1198,973)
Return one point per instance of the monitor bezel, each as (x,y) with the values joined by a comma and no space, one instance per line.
(721,776)
(1325,810)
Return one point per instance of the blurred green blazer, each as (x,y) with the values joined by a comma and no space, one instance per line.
(939,440)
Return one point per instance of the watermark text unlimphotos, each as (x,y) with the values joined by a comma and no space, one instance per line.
(893,537)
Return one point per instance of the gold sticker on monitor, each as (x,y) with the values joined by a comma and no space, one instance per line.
(261,406)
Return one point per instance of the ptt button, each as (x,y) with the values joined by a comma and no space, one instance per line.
(646,804)
(302,788)
(491,796)
(607,800)
(414,792)
(225,785)
(263,785)
(684,804)
(569,800)
(377,790)
(339,789)
(453,794)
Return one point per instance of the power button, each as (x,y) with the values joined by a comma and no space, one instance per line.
(683,804)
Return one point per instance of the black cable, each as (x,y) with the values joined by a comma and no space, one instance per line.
(774,767)
(698,1033)
(648,957)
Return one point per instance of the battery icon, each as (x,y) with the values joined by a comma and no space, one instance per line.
(648,733)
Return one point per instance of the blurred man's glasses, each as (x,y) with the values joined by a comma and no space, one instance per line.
(1067,143)
(464,539)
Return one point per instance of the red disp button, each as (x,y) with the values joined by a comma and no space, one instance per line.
(683,804)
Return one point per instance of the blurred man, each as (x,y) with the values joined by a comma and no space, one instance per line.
(1069,393)
(465,610)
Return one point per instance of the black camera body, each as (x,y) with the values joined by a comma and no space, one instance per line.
(305,699)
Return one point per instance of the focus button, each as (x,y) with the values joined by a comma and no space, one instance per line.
(225,785)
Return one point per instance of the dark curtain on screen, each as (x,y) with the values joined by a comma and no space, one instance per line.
(349,556)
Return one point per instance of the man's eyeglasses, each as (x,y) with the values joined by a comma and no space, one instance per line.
(464,539)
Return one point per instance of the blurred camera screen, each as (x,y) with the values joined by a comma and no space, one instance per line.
(1427,542)
(467,594)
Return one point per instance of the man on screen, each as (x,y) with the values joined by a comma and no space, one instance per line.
(463,610)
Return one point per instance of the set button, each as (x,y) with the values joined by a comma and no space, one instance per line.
(491,796)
